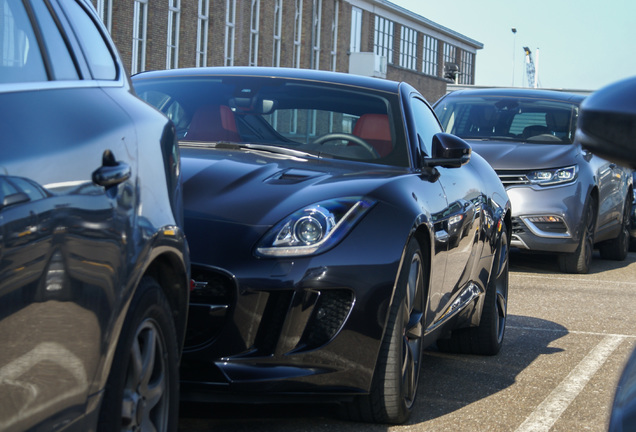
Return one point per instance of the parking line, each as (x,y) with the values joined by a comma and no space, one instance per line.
(549,411)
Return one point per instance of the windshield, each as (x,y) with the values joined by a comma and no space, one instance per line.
(277,114)
(509,119)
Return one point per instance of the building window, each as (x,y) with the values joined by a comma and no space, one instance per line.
(356,29)
(315,34)
(334,35)
(408,48)
(203,24)
(254,30)
(449,53)
(230,28)
(105,11)
(466,68)
(383,38)
(278,27)
(429,56)
(174,19)
(298,27)
(140,36)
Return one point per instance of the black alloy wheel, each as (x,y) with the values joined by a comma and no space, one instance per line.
(580,260)
(487,338)
(617,249)
(396,376)
(142,389)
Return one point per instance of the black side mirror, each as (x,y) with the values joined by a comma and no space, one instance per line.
(607,122)
(449,151)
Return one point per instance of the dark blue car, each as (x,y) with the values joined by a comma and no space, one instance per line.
(335,232)
(94,268)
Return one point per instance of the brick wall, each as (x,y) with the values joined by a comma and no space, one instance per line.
(156,49)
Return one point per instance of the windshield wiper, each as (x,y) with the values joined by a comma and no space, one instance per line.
(228,145)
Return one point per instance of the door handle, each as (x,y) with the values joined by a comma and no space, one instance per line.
(111,172)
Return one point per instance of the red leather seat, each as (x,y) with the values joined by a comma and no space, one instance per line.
(213,123)
(376,130)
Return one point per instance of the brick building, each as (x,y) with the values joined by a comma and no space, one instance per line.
(366,37)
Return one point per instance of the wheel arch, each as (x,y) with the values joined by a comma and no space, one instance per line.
(168,270)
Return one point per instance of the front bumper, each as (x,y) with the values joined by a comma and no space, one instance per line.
(547,219)
(308,325)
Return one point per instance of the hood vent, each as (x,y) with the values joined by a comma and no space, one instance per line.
(293,176)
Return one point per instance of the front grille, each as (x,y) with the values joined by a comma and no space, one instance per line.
(513,178)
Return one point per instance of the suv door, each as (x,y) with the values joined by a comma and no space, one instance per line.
(68,158)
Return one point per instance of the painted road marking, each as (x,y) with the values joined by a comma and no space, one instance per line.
(549,411)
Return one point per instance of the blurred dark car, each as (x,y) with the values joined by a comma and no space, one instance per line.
(335,232)
(607,126)
(632,229)
(94,269)
(565,200)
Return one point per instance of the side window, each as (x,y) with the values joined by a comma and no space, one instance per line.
(59,55)
(425,123)
(20,56)
(98,55)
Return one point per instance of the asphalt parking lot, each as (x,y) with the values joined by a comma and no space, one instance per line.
(567,339)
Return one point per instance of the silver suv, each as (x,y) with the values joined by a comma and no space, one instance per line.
(564,199)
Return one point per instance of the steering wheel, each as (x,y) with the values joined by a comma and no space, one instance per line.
(347,137)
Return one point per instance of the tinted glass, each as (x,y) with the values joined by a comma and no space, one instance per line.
(317,118)
(20,56)
(62,63)
(98,55)
(426,124)
(509,119)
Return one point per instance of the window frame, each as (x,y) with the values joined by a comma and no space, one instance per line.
(383,34)
(203,26)
(140,36)
(230,32)
(174,25)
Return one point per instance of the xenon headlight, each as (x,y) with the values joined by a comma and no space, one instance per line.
(314,228)
(549,177)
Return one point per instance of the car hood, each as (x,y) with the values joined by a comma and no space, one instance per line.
(260,188)
(504,155)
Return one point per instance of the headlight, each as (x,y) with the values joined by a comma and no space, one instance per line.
(314,228)
(551,177)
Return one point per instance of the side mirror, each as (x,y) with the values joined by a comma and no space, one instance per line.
(14,199)
(607,122)
(449,151)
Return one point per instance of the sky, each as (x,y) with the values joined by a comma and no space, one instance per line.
(581,44)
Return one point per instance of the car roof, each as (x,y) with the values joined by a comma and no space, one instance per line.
(277,72)
(519,92)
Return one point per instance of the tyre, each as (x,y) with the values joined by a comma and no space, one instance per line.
(396,375)
(487,338)
(142,388)
(617,249)
(580,260)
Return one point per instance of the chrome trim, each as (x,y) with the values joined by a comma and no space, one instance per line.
(468,294)
(59,84)
(516,241)
(540,233)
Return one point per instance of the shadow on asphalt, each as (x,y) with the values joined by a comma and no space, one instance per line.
(449,382)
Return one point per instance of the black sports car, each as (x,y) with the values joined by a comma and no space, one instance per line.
(335,232)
